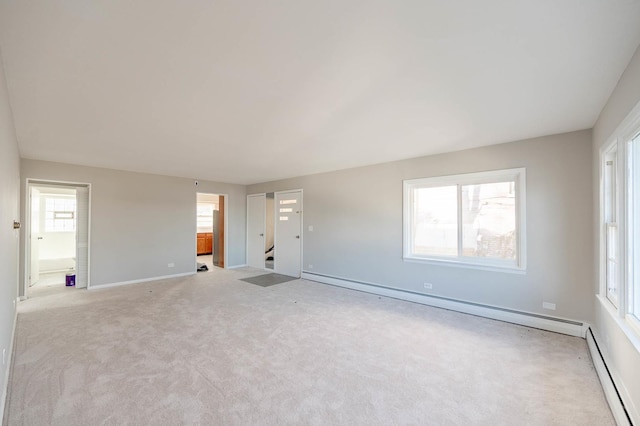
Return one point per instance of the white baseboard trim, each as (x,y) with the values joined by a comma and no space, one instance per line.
(143,280)
(608,386)
(244,265)
(7,371)
(558,325)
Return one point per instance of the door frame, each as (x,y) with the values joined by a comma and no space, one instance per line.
(29,182)
(275,230)
(264,227)
(29,240)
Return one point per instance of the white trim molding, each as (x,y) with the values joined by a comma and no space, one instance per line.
(143,280)
(611,393)
(7,371)
(528,319)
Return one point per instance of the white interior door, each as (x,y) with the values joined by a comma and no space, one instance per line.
(82,237)
(256,210)
(288,233)
(34,238)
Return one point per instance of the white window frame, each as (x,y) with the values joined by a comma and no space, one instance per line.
(631,286)
(518,175)
(621,141)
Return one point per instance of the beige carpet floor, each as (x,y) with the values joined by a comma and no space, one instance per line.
(212,350)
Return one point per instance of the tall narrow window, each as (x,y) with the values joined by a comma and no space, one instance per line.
(634,227)
(620,223)
(612,264)
(473,219)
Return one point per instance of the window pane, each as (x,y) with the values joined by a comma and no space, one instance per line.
(204,216)
(205,210)
(60,214)
(489,220)
(612,263)
(610,187)
(435,221)
(634,285)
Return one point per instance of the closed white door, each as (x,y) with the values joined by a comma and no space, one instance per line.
(82,237)
(34,238)
(256,209)
(288,233)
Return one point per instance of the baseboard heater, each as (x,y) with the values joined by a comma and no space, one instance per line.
(529,319)
(609,387)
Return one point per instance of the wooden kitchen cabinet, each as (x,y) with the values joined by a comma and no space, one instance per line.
(205,243)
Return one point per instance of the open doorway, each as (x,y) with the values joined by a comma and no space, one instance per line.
(57,237)
(210,232)
(261,231)
(270,249)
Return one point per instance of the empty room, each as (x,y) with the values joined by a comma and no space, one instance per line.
(296,212)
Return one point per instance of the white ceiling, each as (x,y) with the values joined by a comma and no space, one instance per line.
(251,91)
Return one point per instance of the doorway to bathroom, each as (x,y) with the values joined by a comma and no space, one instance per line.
(57,236)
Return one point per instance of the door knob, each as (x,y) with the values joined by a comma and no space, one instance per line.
(298,236)
(262,235)
(39,238)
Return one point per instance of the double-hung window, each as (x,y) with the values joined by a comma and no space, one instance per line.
(475,219)
(620,222)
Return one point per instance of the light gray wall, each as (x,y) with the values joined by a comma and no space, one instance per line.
(622,357)
(9,211)
(357,219)
(141,222)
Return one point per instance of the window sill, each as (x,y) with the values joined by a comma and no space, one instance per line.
(629,325)
(467,265)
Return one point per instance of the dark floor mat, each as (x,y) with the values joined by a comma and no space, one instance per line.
(268,279)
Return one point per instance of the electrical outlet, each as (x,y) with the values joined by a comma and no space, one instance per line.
(310,228)
(171,265)
(428,286)
(310,266)
(549,305)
